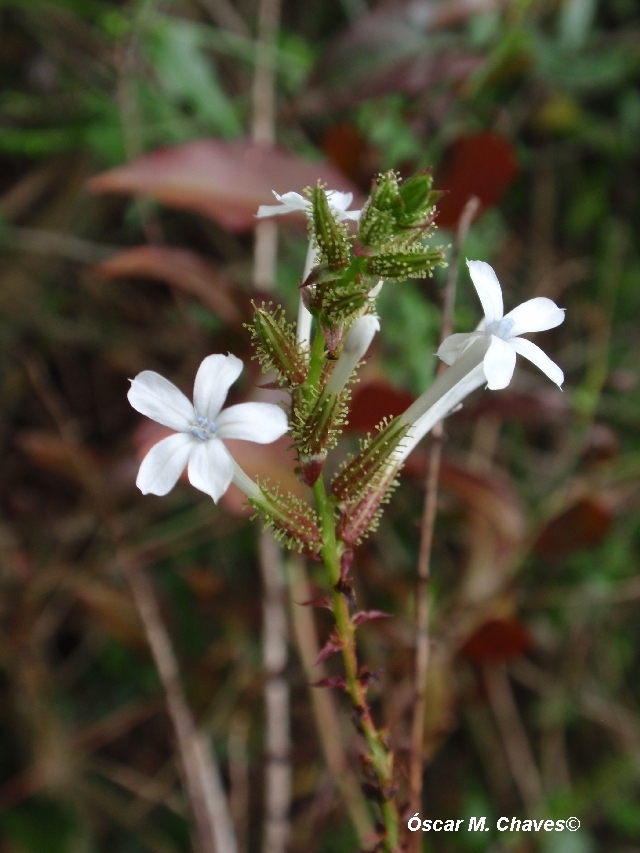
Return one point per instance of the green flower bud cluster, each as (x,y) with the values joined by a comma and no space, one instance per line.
(395,210)
(393,225)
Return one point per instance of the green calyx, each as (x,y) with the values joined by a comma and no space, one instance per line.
(315,425)
(366,471)
(411,261)
(292,521)
(276,346)
(331,236)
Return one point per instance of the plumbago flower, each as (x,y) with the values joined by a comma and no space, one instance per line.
(292,202)
(503,331)
(485,356)
(201,428)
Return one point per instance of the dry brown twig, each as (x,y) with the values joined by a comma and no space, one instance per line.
(514,738)
(426,538)
(278,771)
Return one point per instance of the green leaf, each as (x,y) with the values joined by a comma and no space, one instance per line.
(188,77)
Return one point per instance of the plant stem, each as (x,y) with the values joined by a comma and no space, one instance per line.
(380,757)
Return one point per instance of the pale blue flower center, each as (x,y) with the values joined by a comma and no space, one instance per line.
(204,429)
(500,328)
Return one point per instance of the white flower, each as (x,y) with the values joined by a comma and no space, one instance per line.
(290,202)
(200,428)
(503,331)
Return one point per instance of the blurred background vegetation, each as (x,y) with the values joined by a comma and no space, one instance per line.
(533,106)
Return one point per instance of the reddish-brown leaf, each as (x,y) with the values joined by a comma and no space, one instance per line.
(338,681)
(583,525)
(497,640)
(482,164)
(180,268)
(375,401)
(225,180)
(347,148)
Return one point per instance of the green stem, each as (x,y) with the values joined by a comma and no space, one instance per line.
(316,363)
(379,755)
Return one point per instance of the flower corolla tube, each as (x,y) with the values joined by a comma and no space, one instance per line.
(201,428)
(504,330)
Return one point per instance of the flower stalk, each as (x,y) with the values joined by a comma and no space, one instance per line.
(380,757)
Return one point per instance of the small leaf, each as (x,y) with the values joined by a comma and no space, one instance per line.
(368,616)
(332,681)
(334,644)
(321,601)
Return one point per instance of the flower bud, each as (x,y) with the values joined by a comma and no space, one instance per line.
(331,235)
(277,347)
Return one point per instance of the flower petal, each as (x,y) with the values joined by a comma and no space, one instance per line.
(499,363)
(339,201)
(157,398)
(163,464)
(271,210)
(289,202)
(294,201)
(259,422)
(215,376)
(211,468)
(453,346)
(539,358)
(488,288)
(535,315)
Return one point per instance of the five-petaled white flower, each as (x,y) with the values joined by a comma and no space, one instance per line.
(290,202)
(200,428)
(535,315)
